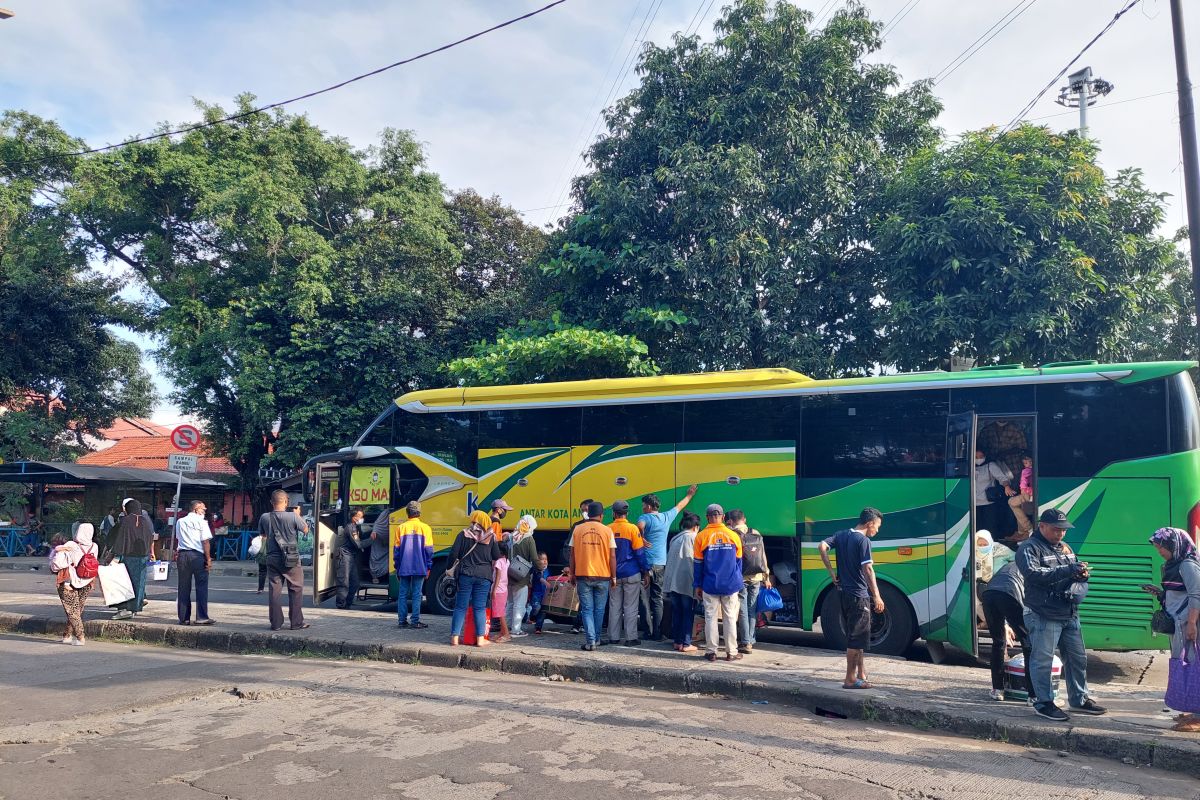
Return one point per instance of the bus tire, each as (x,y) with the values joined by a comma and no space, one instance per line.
(440,590)
(892,632)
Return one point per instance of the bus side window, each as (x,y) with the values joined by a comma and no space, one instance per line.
(1084,427)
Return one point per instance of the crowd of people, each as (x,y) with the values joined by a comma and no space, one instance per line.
(1031,582)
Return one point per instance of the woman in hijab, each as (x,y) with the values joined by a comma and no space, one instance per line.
(524,548)
(1180,596)
(133,546)
(73,590)
(473,553)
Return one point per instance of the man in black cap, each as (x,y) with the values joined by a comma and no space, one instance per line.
(1055,583)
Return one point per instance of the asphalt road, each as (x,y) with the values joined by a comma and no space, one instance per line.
(132,722)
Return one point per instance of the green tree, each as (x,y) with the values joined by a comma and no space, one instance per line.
(552,351)
(63,373)
(298,284)
(1019,248)
(497,275)
(725,220)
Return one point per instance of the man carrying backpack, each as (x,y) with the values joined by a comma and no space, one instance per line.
(755,575)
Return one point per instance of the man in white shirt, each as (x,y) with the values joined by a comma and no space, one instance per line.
(194,555)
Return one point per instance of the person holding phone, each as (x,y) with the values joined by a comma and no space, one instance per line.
(1180,598)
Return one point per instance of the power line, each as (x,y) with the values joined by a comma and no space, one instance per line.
(898,18)
(980,43)
(704,16)
(1029,106)
(567,162)
(1100,108)
(630,59)
(308,95)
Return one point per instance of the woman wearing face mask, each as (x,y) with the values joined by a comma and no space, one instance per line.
(1180,596)
(987,473)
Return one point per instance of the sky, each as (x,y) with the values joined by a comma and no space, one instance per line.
(509,114)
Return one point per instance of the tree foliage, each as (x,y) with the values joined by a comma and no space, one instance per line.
(63,373)
(726,218)
(1019,248)
(552,352)
(298,284)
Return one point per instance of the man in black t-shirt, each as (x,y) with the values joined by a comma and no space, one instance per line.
(857,590)
(282,529)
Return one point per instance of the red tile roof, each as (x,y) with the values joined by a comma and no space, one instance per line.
(126,427)
(150,452)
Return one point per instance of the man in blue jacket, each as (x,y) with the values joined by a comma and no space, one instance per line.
(717,580)
(413,558)
(1055,582)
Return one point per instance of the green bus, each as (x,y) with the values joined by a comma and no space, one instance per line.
(1115,446)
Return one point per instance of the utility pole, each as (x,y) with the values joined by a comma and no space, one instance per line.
(1191,167)
(1083,90)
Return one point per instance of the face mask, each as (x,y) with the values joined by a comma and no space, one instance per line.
(979,462)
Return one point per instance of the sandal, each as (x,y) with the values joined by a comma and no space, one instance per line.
(858,684)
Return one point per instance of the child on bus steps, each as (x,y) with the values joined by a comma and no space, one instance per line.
(1018,502)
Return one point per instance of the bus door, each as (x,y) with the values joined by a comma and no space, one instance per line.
(326,498)
(958,566)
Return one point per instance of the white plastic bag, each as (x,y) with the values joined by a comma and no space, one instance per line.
(255,546)
(115,584)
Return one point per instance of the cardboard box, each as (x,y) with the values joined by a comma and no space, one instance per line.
(562,599)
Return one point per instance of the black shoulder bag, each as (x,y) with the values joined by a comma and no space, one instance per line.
(289,550)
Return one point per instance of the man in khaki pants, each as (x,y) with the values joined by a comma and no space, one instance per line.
(717,579)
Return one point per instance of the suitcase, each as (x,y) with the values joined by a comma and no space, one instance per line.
(469,636)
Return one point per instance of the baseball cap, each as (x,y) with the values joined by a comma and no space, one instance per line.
(413,508)
(1055,517)
(501,505)
(714,508)
(595,509)
(620,507)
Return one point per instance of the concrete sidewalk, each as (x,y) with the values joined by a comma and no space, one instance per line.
(223,568)
(923,696)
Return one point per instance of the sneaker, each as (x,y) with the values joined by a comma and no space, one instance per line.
(79,642)
(746,649)
(123,614)
(603,642)
(576,629)
(634,643)
(68,639)
(418,626)
(1089,706)
(1051,712)
(402,625)
(997,694)
(588,646)
(519,635)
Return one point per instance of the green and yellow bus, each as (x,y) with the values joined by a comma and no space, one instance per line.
(1115,446)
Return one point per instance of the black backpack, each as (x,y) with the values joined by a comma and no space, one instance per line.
(754,553)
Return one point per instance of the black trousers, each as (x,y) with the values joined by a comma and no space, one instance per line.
(650,607)
(347,579)
(262,577)
(191,567)
(294,578)
(1000,608)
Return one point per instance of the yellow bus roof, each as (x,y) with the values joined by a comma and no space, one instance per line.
(608,390)
(762,382)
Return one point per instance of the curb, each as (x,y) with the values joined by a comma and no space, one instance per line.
(245,569)
(1173,755)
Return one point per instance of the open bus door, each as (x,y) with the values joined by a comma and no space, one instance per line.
(959,564)
(326,494)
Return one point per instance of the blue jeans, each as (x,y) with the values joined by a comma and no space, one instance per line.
(473,593)
(747,617)
(683,617)
(1044,636)
(136,567)
(593,597)
(410,596)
